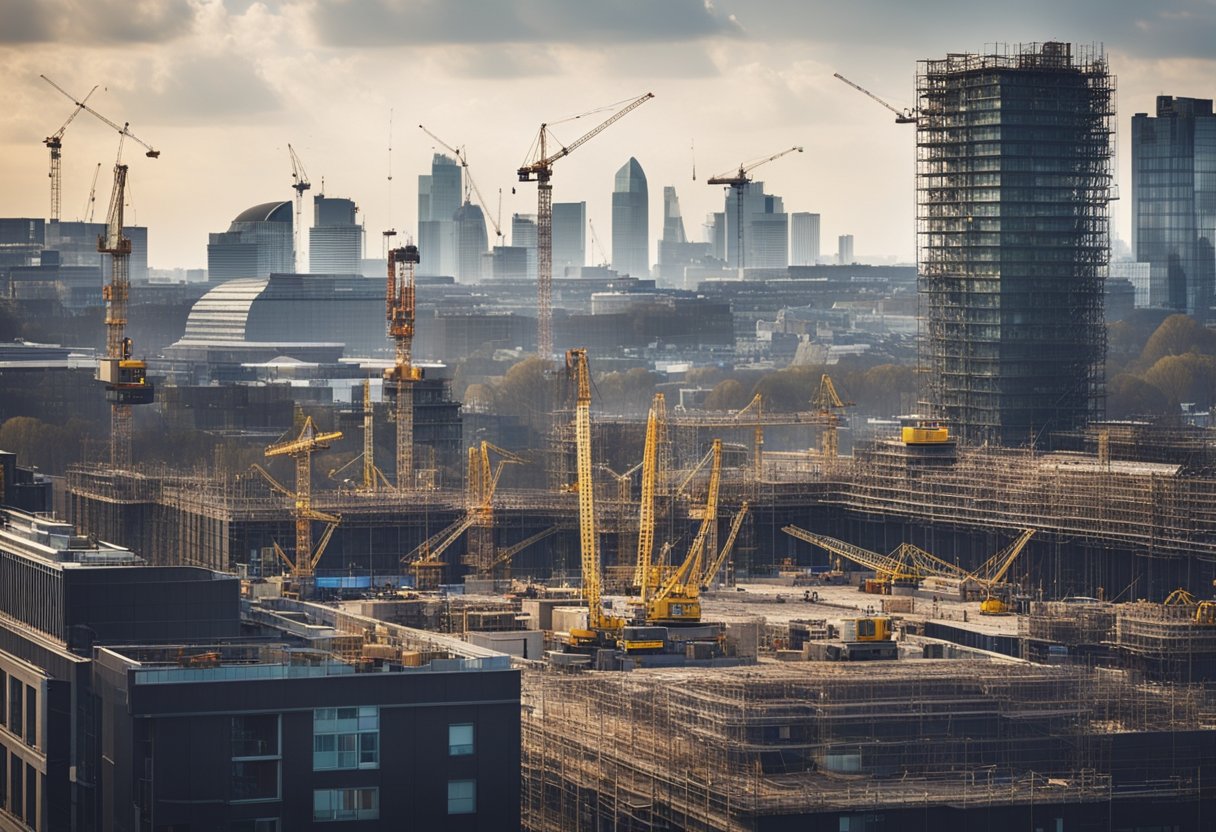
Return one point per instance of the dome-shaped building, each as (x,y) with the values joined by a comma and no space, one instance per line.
(257,243)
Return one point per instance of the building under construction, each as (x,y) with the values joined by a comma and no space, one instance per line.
(931,744)
(1014,167)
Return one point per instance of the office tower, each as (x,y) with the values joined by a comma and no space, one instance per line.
(844,249)
(1013,182)
(471,242)
(257,243)
(439,196)
(523,235)
(804,239)
(1174,202)
(631,221)
(335,241)
(676,253)
(569,236)
(765,228)
(715,232)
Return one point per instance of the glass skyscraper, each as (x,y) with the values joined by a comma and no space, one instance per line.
(1013,183)
(631,221)
(1174,202)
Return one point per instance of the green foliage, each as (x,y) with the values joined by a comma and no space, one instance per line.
(727,395)
(1130,397)
(1184,378)
(1178,335)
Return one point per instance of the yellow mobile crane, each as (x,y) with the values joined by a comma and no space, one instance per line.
(678,599)
(602,628)
(540,170)
(906,566)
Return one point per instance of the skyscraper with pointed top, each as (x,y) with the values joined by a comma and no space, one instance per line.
(631,221)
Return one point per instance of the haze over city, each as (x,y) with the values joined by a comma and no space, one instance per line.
(222,88)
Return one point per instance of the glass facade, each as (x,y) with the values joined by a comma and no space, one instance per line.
(462,797)
(1013,184)
(1174,203)
(346,738)
(346,804)
(631,221)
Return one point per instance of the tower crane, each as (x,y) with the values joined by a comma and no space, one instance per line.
(540,170)
(826,402)
(642,577)
(678,599)
(904,116)
(399,309)
(482,483)
(54,143)
(299,184)
(601,627)
(738,180)
(124,131)
(470,183)
(301,449)
(756,408)
(91,204)
(595,242)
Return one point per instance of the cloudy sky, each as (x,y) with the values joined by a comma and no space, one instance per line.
(221,87)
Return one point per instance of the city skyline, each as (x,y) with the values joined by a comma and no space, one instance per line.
(221,89)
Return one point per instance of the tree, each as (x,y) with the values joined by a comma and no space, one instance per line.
(1184,378)
(790,389)
(727,395)
(1129,396)
(1178,335)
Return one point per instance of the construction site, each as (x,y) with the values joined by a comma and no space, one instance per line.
(722,620)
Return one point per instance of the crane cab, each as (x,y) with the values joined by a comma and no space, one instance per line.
(675,610)
(126,380)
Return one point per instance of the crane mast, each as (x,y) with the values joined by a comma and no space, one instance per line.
(299,184)
(301,449)
(541,171)
(54,143)
(646,518)
(399,309)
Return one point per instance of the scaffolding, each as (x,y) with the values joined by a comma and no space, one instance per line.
(724,749)
(1014,172)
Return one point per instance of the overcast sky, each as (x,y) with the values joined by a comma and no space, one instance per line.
(221,86)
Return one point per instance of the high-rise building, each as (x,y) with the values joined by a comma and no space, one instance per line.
(1013,182)
(569,236)
(804,239)
(765,228)
(631,221)
(471,242)
(257,243)
(676,253)
(715,231)
(523,236)
(335,241)
(1174,202)
(439,197)
(844,250)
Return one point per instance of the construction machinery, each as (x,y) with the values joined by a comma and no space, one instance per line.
(642,577)
(907,566)
(904,116)
(54,143)
(299,184)
(125,377)
(399,309)
(540,170)
(827,402)
(723,557)
(481,484)
(990,576)
(470,187)
(301,448)
(124,131)
(917,431)
(677,599)
(425,560)
(1205,611)
(602,628)
(756,408)
(739,180)
(866,638)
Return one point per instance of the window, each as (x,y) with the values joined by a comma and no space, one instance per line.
(346,804)
(15,788)
(462,797)
(255,757)
(15,715)
(31,716)
(3,776)
(460,739)
(31,796)
(346,738)
(255,735)
(3,698)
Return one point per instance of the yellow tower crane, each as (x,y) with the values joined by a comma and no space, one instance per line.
(399,309)
(827,401)
(482,484)
(301,449)
(540,170)
(601,627)
(678,599)
(739,180)
(646,514)
(711,571)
